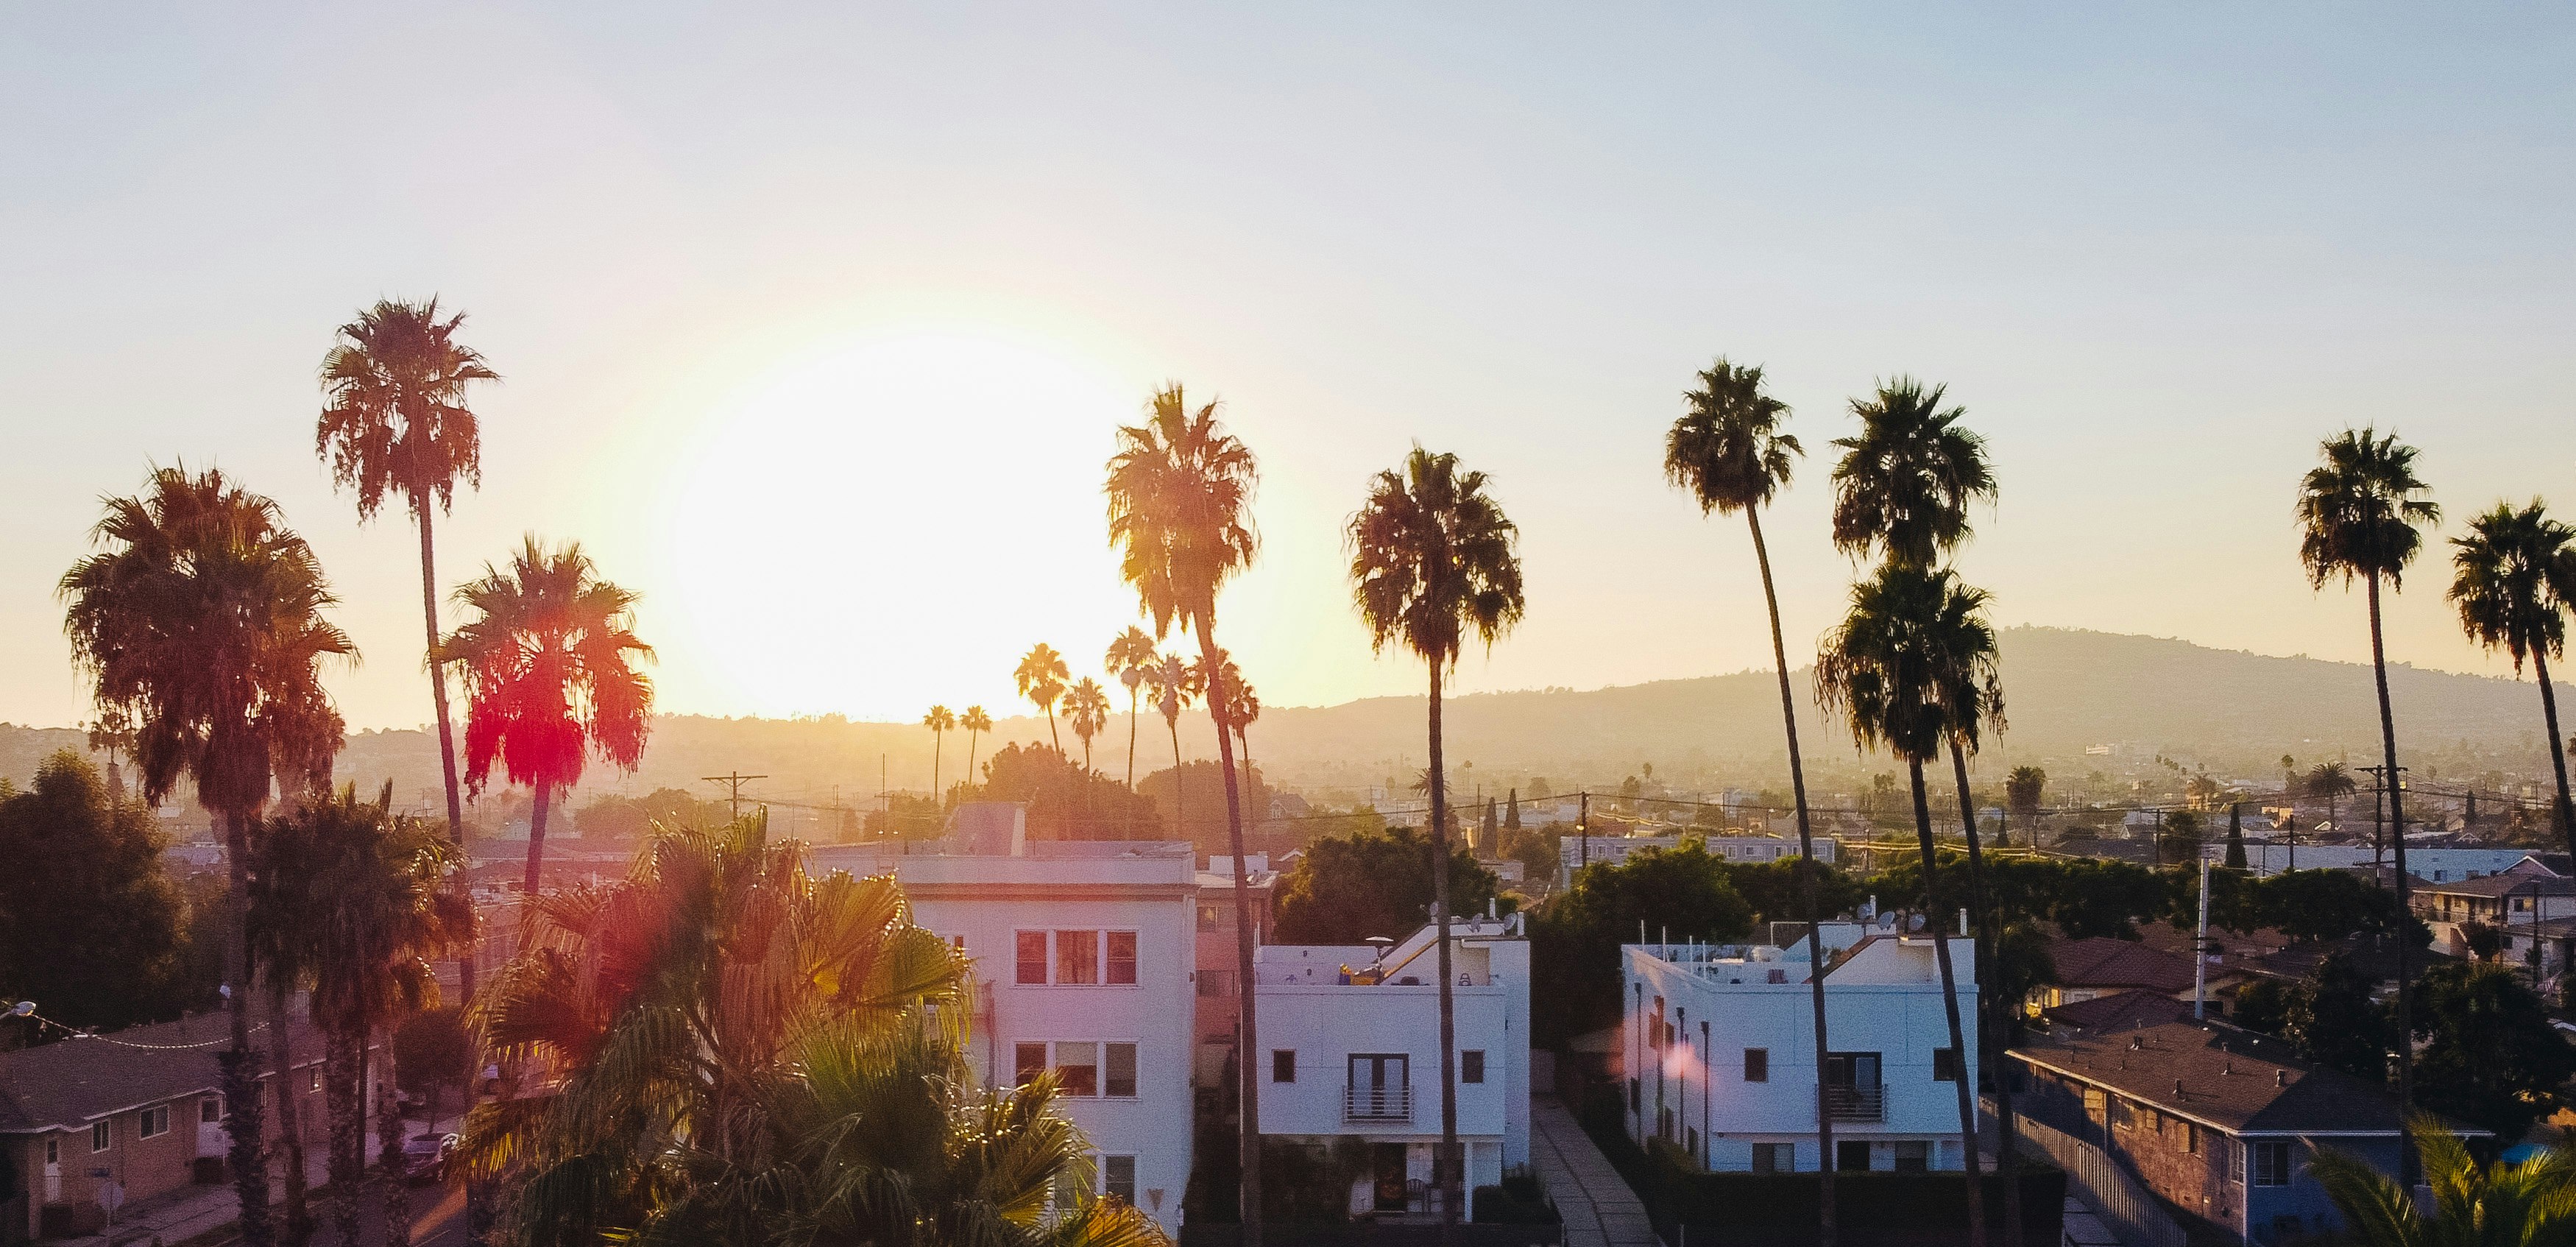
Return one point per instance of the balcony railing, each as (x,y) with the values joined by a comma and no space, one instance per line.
(1377,1103)
(1856,1103)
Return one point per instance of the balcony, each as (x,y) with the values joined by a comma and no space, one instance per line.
(1377,1103)
(1856,1103)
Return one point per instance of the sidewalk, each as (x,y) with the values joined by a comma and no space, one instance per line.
(184,1214)
(1598,1207)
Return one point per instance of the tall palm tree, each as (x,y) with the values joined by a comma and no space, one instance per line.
(1434,558)
(1904,483)
(1129,658)
(1176,684)
(2530,1203)
(284,904)
(1041,675)
(940,721)
(1883,669)
(1246,708)
(976,723)
(1729,451)
(2022,789)
(1180,513)
(2331,781)
(1087,705)
(2513,580)
(2359,513)
(200,625)
(549,661)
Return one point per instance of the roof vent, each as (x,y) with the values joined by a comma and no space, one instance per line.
(2136,1042)
(2228,1068)
(2177,1088)
(2280,1078)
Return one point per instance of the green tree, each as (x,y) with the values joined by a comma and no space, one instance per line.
(976,723)
(1040,677)
(1065,800)
(201,628)
(1574,941)
(2022,791)
(941,721)
(1087,705)
(1905,482)
(2334,1021)
(2527,1204)
(2326,905)
(1777,889)
(1433,558)
(90,925)
(614,816)
(2490,1055)
(2359,513)
(1347,888)
(2262,1005)
(2513,579)
(431,1052)
(2236,835)
(1130,658)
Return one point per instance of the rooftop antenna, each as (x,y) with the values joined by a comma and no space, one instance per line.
(1381,943)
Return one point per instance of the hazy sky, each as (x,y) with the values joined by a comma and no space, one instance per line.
(815,322)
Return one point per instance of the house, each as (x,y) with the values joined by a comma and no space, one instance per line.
(2217,1123)
(1219,1002)
(2119,1011)
(2271,857)
(1084,954)
(1721,1062)
(1576,852)
(2372,955)
(2102,966)
(1350,1040)
(113,1119)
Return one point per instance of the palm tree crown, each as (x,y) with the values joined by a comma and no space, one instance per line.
(1433,558)
(1040,676)
(1180,498)
(1904,483)
(1890,668)
(2513,580)
(549,662)
(1086,706)
(398,422)
(1727,449)
(2360,511)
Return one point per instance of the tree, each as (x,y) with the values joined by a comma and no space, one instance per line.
(612,816)
(976,723)
(1904,484)
(2533,1202)
(549,666)
(2236,835)
(91,926)
(1176,684)
(2491,1056)
(1512,811)
(2023,789)
(2328,780)
(941,721)
(2262,1005)
(2359,512)
(1348,888)
(1040,677)
(201,628)
(2334,1021)
(1087,704)
(1729,451)
(1180,513)
(1882,668)
(2513,580)
(1433,558)
(1574,941)
(1777,889)
(2325,905)
(1065,801)
(1130,658)
(2178,835)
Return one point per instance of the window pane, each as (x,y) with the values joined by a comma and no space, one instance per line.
(1032,957)
(1077,956)
(1764,1159)
(1471,1066)
(1121,1074)
(1208,917)
(1283,1065)
(1122,957)
(1757,1065)
(1945,1064)
(1077,1066)
(1028,1060)
(1215,983)
(1118,1177)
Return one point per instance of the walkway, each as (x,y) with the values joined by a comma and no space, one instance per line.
(1598,1207)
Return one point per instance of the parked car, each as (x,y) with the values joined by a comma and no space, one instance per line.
(425,1157)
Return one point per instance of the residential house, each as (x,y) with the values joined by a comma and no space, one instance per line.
(1219,974)
(1350,1040)
(2513,898)
(2102,966)
(2273,856)
(2217,1123)
(1720,1054)
(1576,852)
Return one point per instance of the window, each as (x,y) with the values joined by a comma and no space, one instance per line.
(1077,957)
(1913,1156)
(152,1122)
(1757,1065)
(1120,1077)
(1851,1155)
(1636,1101)
(2270,1162)
(2190,1137)
(957,942)
(1211,917)
(1283,1065)
(1118,1178)
(210,1110)
(1028,1060)
(53,1151)
(2123,1114)
(1772,1158)
(2235,1153)
(1945,1065)
(1077,1067)
(98,1136)
(1213,983)
(1032,957)
(1471,1065)
(1122,957)
(313,1079)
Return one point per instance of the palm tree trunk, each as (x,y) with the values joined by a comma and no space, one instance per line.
(1052,739)
(1993,1023)
(935,744)
(290,1116)
(1131,740)
(1180,821)
(2557,746)
(970,757)
(344,1099)
(389,1140)
(1247,1031)
(1949,1005)
(1251,790)
(536,849)
(2397,840)
(455,814)
(243,1119)
(1445,1169)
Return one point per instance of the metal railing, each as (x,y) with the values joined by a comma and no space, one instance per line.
(1377,1103)
(1856,1103)
(2100,1182)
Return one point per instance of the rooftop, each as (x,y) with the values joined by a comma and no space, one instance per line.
(2489,887)
(2099,961)
(2236,1080)
(70,1082)
(2127,1010)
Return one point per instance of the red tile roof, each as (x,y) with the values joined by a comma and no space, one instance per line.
(2099,961)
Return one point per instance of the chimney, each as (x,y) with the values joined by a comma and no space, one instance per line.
(2177,1088)
(2280,1078)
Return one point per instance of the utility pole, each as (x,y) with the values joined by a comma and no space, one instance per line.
(1583,823)
(734,782)
(2200,949)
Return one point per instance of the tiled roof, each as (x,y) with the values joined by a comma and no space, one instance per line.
(2371,954)
(2121,1011)
(2488,887)
(63,1084)
(2103,962)
(2237,1080)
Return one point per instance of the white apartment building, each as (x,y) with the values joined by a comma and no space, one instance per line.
(1719,1053)
(2271,857)
(1574,852)
(1083,954)
(1350,1049)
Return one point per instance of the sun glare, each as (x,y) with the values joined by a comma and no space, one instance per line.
(891,522)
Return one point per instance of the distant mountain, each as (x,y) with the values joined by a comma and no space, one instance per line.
(2066,692)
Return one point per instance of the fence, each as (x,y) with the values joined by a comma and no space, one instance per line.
(2126,1207)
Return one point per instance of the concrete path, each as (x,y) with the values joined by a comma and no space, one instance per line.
(1598,1207)
(2083,1229)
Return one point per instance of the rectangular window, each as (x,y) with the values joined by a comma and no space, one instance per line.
(1770,1158)
(1757,1065)
(313,1079)
(1028,1060)
(1283,1065)
(1471,1065)
(1032,956)
(210,1111)
(2191,1137)
(2271,1162)
(1216,983)
(1077,957)
(1211,917)
(1122,958)
(957,942)
(53,1151)
(2123,1114)
(152,1122)
(1945,1065)
(1118,1178)
(1913,1156)
(1077,1067)
(1119,1079)
(98,1136)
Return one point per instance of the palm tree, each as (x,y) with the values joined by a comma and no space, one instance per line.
(1176,684)
(1180,513)
(1729,452)
(1087,705)
(1433,558)
(1883,668)
(2022,789)
(2533,1202)
(549,666)
(1041,676)
(2359,512)
(2331,781)
(201,628)
(1246,708)
(1904,484)
(1129,658)
(2514,578)
(976,723)
(940,722)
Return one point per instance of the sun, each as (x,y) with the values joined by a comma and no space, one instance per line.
(890,522)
